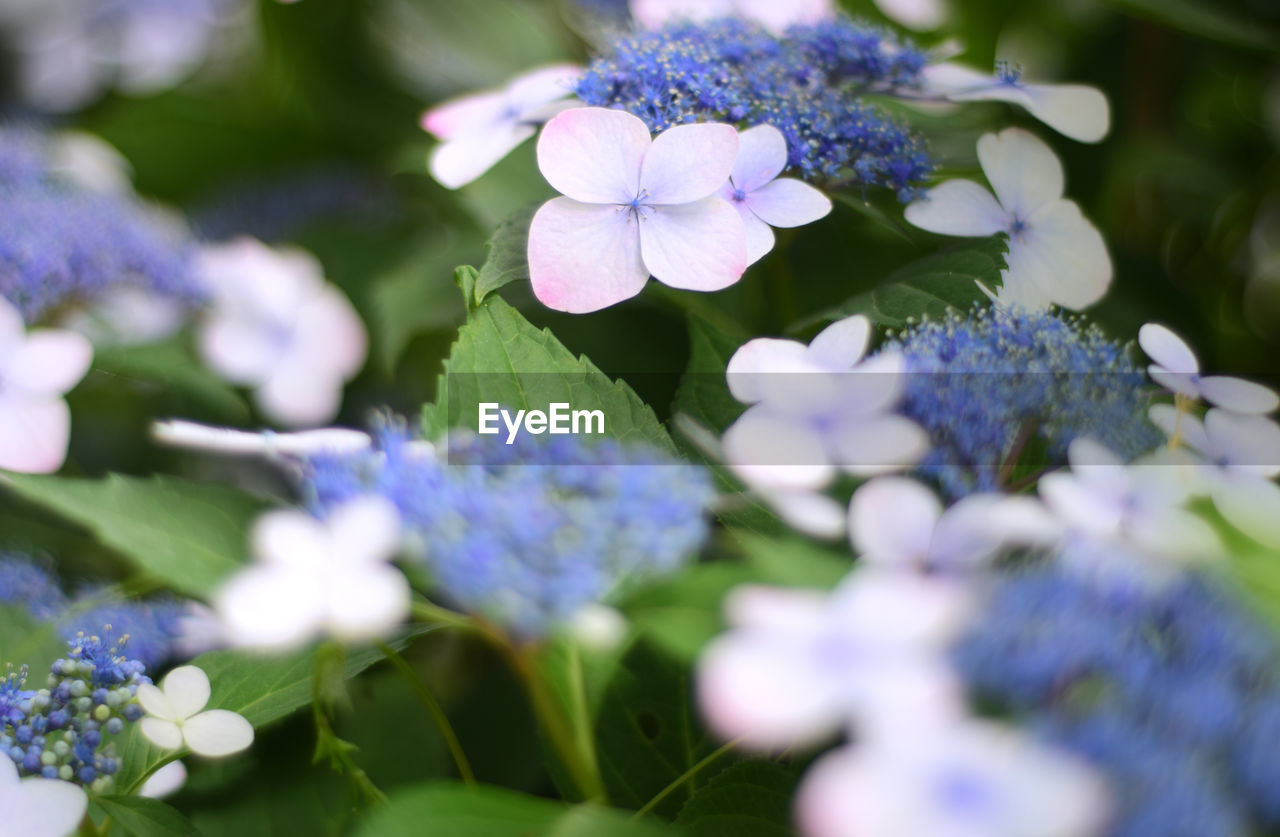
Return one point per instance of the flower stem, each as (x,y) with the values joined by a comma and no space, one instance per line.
(580,712)
(429,702)
(682,778)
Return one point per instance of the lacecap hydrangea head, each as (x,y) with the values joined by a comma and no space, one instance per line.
(527,535)
(999,387)
(806,83)
(28,584)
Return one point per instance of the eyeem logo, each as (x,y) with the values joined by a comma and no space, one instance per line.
(559,421)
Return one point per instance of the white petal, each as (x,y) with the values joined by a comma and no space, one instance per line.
(369,604)
(271,609)
(542,85)
(225,440)
(1074,110)
(1024,172)
(788,203)
(240,350)
(759,357)
(880,444)
(466,115)
(329,331)
(760,238)
(958,207)
(593,155)
(290,538)
(1167,349)
(300,393)
(1179,383)
(1248,442)
(187,690)
(164,734)
(979,527)
(842,344)
(156,703)
(1080,507)
(8,775)
(1024,283)
(44,808)
(1075,268)
(1238,395)
(651,14)
(920,15)
(166,781)
(365,530)
(12,329)
(891,521)
(1252,505)
(33,434)
(688,163)
(217,733)
(952,80)
(698,246)
(49,362)
(872,386)
(810,513)
(1175,423)
(776,609)
(778,17)
(762,155)
(849,793)
(776,453)
(459,161)
(584,257)
(1175,532)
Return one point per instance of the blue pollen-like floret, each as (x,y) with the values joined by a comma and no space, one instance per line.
(64,245)
(806,83)
(526,535)
(28,584)
(1000,387)
(1173,690)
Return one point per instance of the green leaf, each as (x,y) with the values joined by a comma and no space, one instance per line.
(703,393)
(141,817)
(507,260)
(190,536)
(1204,19)
(24,640)
(682,613)
(792,561)
(167,368)
(500,357)
(449,809)
(927,288)
(416,296)
(749,798)
(647,732)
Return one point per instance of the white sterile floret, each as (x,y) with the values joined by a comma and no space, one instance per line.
(176,716)
(632,207)
(920,15)
(277,327)
(799,666)
(478,130)
(1056,257)
(314,577)
(972,778)
(774,15)
(36,369)
(1074,110)
(763,199)
(226,440)
(897,522)
(1175,367)
(35,807)
(166,781)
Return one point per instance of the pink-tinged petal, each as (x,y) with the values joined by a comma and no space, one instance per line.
(330,333)
(920,15)
(1072,256)
(651,14)
(958,207)
(48,363)
(34,434)
(44,808)
(1238,395)
(365,530)
(762,155)
(1179,383)
(457,162)
(901,613)
(1024,172)
(688,163)
(371,603)
(880,444)
(164,734)
(776,609)
(759,357)
(466,115)
(217,733)
(1073,110)
(1252,505)
(842,344)
(760,238)
(1247,442)
(241,351)
(299,393)
(594,155)
(788,203)
(1167,349)
(891,521)
(775,453)
(584,257)
(777,17)
(698,246)
(12,329)
(542,85)
(849,793)
(187,690)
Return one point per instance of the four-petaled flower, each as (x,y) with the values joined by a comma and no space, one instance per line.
(763,199)
(176,716)
(1176,369)
(1056,257)
(36,807)
(774,15)
(480,129)
(36,369)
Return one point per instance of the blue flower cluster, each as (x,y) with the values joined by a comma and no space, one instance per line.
(806,83)
(62,731)
(1172,690)
(153,629)
(526,535)
(1004,386)
(63,245)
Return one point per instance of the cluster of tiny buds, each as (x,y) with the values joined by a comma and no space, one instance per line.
(60,732)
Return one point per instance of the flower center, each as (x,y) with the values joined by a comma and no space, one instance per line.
(739,195)
(1017,227)
(1008,73)
(638,209)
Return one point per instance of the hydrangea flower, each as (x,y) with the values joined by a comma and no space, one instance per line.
(313,577)
(36,370)
(1003,388)
(632,207)
(278,327)
(268,444)
(975,777)
(763,199)
(920,15)
(176,716)
(480,129)
(30,585)
(1176,368)
(528,535)
(806,83)
(165,782)
(39,807)
(1074,110)
(1056,257)
(774,16)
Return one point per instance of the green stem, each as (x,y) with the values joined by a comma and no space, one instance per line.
(433,614)
(682,778)
(429,702)
(328,744)
(580,712)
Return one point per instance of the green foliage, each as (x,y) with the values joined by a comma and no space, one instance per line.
(1204,19)
(167,369)
(140,817)
(507,254)
(704,395)
(25,641)
(189,536)
(748,799)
